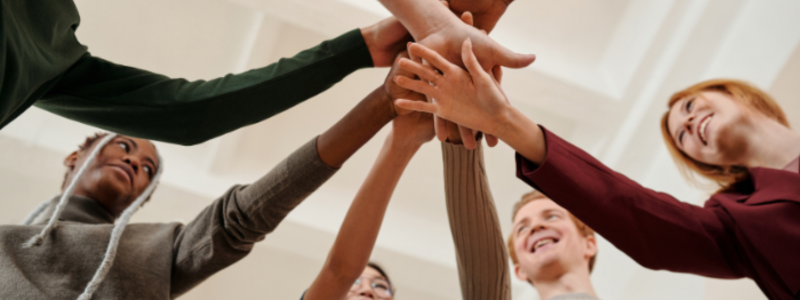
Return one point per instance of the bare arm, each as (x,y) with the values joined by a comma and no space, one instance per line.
(351,250)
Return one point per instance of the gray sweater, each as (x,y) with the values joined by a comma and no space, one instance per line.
(154,260)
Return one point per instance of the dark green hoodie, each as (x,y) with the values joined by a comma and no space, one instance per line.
(43,64)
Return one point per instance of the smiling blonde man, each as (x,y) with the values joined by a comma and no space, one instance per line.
(550,248)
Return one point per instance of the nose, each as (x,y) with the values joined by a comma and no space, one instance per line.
(689,122)
(133,162)
(366,291)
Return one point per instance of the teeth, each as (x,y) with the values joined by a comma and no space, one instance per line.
(703,129)
(543,242)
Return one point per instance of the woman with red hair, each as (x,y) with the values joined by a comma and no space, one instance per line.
(725,130)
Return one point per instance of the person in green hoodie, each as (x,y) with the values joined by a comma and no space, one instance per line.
(44,64)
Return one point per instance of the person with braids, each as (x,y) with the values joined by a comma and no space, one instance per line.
(727,131)
(44,64)
(79,246)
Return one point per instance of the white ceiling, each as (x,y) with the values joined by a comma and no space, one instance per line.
(601,80)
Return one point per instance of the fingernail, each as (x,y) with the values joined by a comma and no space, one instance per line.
(398,59)
(394,78)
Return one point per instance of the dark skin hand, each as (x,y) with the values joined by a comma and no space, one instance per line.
(485,12)
(345,137)
(119,174)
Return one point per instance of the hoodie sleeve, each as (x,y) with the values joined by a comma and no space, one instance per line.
(143,104)
(226,230)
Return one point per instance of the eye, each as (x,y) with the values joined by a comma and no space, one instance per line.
(680,136)
(379,286)
(357,282)
(148,170)
(521,229)
(689,105)
(124,146)
(551,217)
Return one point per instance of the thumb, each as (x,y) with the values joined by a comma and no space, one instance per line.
(511,59)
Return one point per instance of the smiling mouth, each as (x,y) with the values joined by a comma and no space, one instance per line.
(543,242)
(702,130)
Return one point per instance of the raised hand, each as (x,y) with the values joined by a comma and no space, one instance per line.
(447,42)
(472,99)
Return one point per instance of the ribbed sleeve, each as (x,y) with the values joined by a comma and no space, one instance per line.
(480,251)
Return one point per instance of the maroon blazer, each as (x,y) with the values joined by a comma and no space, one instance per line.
(753,232)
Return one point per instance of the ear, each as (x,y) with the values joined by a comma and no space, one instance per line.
(520,273)
(71,159)
(591,247)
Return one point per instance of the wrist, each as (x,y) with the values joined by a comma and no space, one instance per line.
(385,101)
(523,135)
(401,147)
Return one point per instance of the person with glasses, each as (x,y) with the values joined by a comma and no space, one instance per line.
(346,273)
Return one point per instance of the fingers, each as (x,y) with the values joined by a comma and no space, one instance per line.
(436,60)
(424,72)
(491,140)
(440,126)
(467,18)
(417,105)
(467,138)
(497,71)
(471,62)
(414,85)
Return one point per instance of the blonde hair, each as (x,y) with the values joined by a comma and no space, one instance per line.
(584,230)
(741,91)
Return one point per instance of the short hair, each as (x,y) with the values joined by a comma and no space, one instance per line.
(583,229)
(741,91)
(378,268)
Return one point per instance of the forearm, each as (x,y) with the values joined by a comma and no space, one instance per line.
(482,259)
(523,135)
(227,229)
(140,103)
(356,128)
(420,17)
(655,229)
(354,243)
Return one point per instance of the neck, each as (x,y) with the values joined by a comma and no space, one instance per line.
(567,283)
(770,145)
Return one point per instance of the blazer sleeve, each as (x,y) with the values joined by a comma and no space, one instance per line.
(481,256)
(227,230)
(653,228)
(140,103)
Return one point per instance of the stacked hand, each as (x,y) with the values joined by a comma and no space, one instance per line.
(472,99)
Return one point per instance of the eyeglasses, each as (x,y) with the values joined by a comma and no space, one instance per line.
(381,288)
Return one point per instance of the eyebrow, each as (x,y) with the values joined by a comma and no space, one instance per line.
(146,157)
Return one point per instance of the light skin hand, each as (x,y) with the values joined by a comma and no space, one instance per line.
(437,28)
(470,98)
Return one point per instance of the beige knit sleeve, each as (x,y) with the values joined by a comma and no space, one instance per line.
(480,251)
